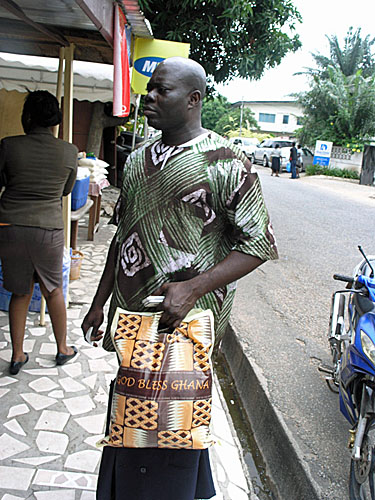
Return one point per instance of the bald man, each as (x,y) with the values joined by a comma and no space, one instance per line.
(191,220)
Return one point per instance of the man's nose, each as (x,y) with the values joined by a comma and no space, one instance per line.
(150,96)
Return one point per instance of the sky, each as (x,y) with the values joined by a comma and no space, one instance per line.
(320,18)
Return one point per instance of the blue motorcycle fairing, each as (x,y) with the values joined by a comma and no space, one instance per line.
(346,405)
(369,284)
(347,375)
(366,323)
(354,363)
(359,361)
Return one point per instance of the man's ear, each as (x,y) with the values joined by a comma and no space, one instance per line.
(195,98)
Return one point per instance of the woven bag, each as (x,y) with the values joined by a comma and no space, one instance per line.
(163,389)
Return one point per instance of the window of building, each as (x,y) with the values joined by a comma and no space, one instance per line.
(267,117)
(285,119)
(299,120)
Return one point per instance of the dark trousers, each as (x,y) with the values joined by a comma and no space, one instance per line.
(154,474)
(293,168)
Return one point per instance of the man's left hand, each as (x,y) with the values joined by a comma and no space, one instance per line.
(180,298)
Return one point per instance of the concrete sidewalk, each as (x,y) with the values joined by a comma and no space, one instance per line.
(51,417)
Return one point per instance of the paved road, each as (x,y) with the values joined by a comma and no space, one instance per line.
(281,311)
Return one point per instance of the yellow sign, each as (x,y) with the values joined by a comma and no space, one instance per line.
(148,53)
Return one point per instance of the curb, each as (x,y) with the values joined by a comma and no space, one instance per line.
(285,464)
(246,475)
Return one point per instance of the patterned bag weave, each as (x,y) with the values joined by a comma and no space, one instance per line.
(162,393)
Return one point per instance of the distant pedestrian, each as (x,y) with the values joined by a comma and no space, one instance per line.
(275,156)
(299,163)
(293,160)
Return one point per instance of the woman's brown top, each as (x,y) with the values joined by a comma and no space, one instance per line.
(36,170)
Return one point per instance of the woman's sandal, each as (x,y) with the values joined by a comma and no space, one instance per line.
(61,359)
(15,366)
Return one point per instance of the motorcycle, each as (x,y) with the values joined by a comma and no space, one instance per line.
(352,342)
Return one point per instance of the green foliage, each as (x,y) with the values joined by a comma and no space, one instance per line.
(355,147)
(213,110)
(219,116)
(355,55)
(229,38)
(230,122)
(340,105)
(249,133)
(333,172)
(245,132)
(340,109)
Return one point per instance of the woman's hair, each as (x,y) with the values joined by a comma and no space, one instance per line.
(41,108)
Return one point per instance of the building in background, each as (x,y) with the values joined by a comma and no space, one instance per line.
(281,118)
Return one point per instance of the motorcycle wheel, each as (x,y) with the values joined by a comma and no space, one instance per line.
(361,479)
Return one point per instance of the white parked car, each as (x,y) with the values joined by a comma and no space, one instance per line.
(262,153)
(246,144)
(306,159)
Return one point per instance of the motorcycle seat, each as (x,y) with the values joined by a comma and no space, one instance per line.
(363,304)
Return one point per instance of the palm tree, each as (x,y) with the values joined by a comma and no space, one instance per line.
(339,108)
(340,105)
(355,55)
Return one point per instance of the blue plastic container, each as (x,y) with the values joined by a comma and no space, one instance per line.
(80,193)
(37,295)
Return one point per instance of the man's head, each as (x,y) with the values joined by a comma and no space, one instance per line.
(175,93)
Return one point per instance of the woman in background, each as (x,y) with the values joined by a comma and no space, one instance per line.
(275,158)
(299,163)
(36,170)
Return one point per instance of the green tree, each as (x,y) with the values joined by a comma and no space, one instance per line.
(231,121)
(355,55)
(340,105)
(339,108)
(213,110)
(229,38)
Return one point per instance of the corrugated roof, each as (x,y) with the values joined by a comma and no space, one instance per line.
(139,24)
(40,27)
(52,13)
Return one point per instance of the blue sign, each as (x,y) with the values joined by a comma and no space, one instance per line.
(146,65)
(321,160)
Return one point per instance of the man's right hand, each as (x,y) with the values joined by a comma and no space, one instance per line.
(94,318)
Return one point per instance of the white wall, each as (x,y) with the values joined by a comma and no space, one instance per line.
(279,109)
(343,158)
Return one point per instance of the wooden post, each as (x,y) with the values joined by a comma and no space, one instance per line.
(145,131)
(68,128)
(42,317)
(137,102)
(68,136)
(59,85)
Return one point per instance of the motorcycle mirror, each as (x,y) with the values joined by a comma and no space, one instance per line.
(368,262)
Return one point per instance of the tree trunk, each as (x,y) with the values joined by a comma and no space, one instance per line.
(368,166)
(99,121)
